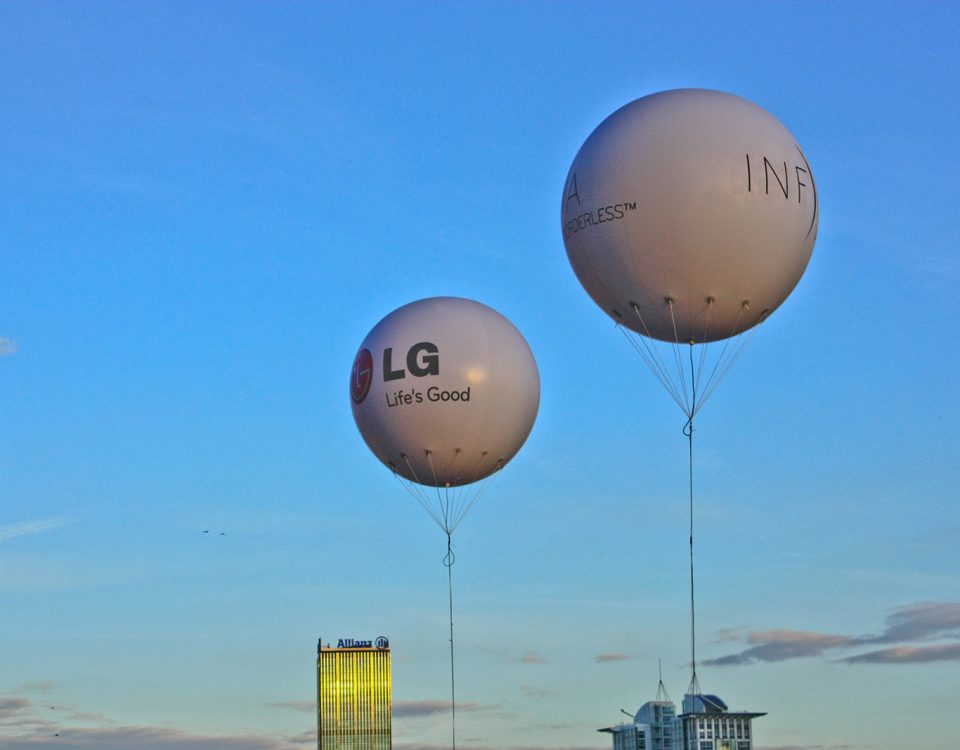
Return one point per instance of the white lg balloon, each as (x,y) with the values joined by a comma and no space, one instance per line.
(689,215)
(444,391)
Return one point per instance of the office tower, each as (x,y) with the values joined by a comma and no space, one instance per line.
(652,728)
(705,724)
(354,707)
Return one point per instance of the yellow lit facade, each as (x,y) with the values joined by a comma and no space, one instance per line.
(354,704)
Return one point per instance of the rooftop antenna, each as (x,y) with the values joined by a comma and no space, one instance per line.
(662,694)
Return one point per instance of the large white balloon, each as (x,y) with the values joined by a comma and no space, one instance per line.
(444,391)
(689,215)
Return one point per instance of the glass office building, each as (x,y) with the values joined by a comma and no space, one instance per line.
(652,728)
(354,703)
(705,724)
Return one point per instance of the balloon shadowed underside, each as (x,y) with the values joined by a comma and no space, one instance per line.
(444,391)
(689,215)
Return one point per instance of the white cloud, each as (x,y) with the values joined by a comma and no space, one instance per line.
(603,658)
(417,709)
(301,706)
(25,725)
(921,622)
(7,346)
(11,531)
(909,655)
(532,657)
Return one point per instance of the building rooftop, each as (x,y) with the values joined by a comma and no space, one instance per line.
(712,705)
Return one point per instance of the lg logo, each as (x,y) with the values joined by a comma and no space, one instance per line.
(362,376)
(422,359)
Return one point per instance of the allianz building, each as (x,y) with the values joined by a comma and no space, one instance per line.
(705,724)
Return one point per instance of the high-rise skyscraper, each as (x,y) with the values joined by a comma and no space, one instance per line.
(354,703)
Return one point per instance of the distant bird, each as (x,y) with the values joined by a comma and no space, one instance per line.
(206,531)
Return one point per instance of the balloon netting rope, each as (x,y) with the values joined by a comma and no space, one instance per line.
(445,503)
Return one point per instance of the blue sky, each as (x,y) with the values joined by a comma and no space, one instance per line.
(206,208)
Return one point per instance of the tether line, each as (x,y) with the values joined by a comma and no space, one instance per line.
(448,561)
(445,502)
(688,431)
